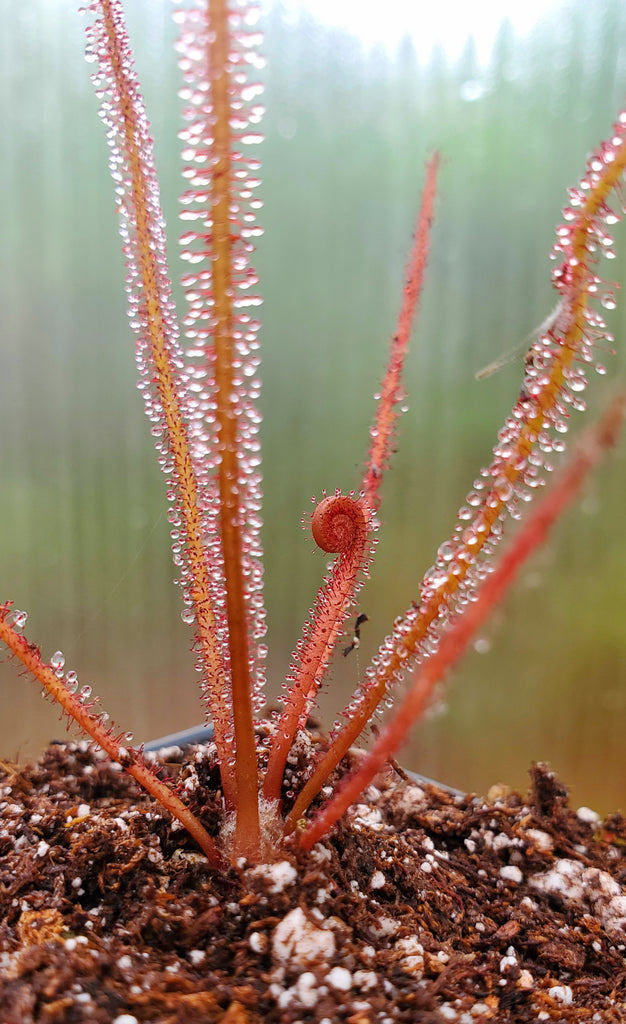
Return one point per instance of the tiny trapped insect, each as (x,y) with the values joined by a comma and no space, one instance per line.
(356,639)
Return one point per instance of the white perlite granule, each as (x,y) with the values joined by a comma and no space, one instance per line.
(541,840)
(561,994)
(587,815)
(295,938)
(511,873)
(340,978)
(306,989)
(575,883)
(277,876)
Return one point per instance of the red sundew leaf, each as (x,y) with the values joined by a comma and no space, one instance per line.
(382,431)
(341,523)
(336,597)
(221,116)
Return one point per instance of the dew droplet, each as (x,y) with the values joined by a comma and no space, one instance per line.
(446,551)
(57,661)
(503,488)
(71,681)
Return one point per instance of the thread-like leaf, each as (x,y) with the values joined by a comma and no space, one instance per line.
(218,48)
(391,393)
(341,523)
(336,596)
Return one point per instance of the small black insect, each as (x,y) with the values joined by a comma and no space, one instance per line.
(356,640)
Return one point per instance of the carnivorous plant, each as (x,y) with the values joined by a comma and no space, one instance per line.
(200,399)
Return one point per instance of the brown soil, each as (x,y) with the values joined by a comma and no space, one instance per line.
(421,907)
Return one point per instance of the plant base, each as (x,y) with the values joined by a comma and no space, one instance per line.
(421,907)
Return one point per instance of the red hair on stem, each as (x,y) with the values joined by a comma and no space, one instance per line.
(247,834)
(391,393)
(341,525)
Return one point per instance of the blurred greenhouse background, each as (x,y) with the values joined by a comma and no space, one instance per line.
(84,543)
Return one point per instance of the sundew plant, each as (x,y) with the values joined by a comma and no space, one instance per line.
(199,378)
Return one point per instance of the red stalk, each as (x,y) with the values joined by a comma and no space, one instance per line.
(391,392)
(340,524)
(333,603)
(248,834)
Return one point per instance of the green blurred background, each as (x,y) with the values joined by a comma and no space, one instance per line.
(84,543)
